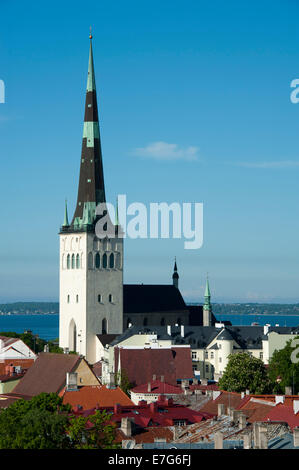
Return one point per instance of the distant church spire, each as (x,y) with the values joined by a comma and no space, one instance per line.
(207,307)
(175,276)
(91,189)
(66,218)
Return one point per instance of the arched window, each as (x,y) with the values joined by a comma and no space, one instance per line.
(68,299)
(78,261)
(98,261)
(77,298)
(162,321)
(90,261)
(73,261)
(68,262)
(104,260)
(145,321)
(111,261)
(104,326)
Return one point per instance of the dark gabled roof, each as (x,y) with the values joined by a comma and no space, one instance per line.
(146,298)
(225,335)
(106,339)
(47,374)
(196,315)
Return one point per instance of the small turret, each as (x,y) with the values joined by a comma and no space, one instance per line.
(207,307)
(66,219)
(175,276)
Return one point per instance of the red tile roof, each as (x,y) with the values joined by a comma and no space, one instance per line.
(23,363)
(158,387)
(283,413)
(229,399)
(141,364)
(95,395)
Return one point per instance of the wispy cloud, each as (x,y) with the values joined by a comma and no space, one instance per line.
(274,164)
(165,151)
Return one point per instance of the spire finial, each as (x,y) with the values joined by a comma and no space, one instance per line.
(90,35)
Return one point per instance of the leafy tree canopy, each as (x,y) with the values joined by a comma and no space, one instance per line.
(245,372)
(283,368)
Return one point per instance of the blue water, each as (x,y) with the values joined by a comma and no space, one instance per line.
(281,320)
(45,326)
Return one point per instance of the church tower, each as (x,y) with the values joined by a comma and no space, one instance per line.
(91,268)
(175,276)
(207,307)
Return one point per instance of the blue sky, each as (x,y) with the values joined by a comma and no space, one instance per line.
(210,78)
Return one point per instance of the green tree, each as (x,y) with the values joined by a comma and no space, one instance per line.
(92,432)
(121,378)
(245,372)
(283,369)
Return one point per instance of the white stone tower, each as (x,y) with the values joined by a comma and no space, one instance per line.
(91,268)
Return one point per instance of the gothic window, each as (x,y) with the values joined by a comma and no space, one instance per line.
(73,261)
(78,261)
(90,261)
(104,260)
(68,262)
(104,326)
(111,261)
(98,260)
(118,261)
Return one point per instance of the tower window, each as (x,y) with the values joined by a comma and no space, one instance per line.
(100,298)
(104,260)
(104,326)
(77,261)
(110,298)
(68,262)
(111,261)
(73,261)
(98,261)
(68,299)
(77,298)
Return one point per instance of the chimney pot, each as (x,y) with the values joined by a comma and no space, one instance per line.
(218,440)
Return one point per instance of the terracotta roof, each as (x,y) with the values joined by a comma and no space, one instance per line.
(158,387)
(47,374)
(96,395)
(284,414)
(141,364)
(229,399)
(97,369)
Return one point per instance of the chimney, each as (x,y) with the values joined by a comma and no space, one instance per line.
(169,330)
(221,409)
(126,426)
(266,329)
(149,388)
(242,421)
(182,331)
(295,406)
(71,381)
(242,395)
(296,437)
(46,348)
(117,408)
(288,391)
(218,440)
(247,392)
(111,380)
(260,436)
(279,399)
(154,377)
(247,444)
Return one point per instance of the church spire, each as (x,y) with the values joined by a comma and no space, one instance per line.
(207,307)
(175,276)
(66,218)
(91,189)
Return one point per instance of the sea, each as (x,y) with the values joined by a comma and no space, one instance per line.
(47,326)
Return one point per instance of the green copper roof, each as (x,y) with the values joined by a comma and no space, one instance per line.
(207,290)
(91,82)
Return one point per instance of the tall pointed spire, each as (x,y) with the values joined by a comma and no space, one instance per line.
(207,307)
(175,276)
(66,218)
(91,189)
